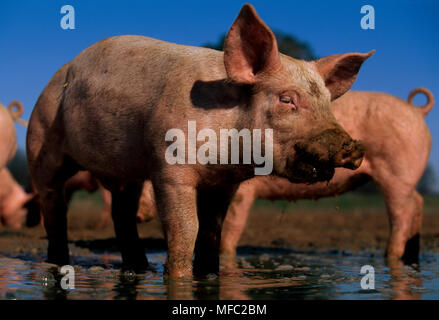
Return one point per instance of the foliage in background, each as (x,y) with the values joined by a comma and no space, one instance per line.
(428,180)
(18,168)
(286,43)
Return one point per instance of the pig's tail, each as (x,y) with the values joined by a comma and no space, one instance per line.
(16,109)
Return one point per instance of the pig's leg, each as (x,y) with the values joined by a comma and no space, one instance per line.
(49,175)
(405,215)
(404,206)
(54,210)
(106,211)
(177,210)
(125,202)
(234,223)
(212,208)
(412,247)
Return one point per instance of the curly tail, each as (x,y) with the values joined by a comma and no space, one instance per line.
(430,99)
(16,114)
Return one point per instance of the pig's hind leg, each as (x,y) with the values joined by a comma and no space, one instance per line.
(49,175)
(412,247)
(404,207)
(124,205)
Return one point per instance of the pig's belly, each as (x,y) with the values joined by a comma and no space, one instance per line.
(108,155)
(343,181)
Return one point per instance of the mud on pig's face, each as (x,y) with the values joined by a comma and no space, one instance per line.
(293,97)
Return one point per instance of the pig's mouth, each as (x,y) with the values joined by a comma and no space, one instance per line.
(303,171)
(315,159)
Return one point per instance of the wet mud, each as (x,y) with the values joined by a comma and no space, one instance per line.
(283,254)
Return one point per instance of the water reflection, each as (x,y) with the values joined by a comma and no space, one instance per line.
(403,279)
(270,275)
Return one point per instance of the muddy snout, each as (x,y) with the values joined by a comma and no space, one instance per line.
(350,156)
(317,157)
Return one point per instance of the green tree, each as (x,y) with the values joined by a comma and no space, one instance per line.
(287,44)
(18,168)
(428,180)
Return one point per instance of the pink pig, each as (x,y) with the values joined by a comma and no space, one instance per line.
(397,146)
(12,200)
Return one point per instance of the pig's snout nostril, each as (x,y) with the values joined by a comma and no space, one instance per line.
(345,155)
(351,155)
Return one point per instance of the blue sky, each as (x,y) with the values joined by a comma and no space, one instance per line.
(33,45)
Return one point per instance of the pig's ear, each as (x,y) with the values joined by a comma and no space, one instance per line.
(250,47)
(340,70)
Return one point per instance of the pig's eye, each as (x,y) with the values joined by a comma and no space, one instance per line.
(288,100)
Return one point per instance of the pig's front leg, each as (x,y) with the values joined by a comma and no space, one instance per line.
(212,208)
(177,210)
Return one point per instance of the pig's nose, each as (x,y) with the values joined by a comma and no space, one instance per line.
(351,155)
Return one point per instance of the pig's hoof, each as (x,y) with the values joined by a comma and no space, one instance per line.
(180,272)
(205,270)
(178,275)
(228,259)
(411,252)
(138,266)
(59,260)
(58,253)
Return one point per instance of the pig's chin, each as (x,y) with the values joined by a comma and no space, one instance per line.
(303,172)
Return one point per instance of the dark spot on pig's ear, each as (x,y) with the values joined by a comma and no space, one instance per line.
(314,89)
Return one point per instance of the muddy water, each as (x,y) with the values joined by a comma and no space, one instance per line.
(262,274)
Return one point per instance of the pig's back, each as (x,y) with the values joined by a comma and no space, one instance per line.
(379,118)
(136,86)
(136,70)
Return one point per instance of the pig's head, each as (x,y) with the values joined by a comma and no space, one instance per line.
(293,97)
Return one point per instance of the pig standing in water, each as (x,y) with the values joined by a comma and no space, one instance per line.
(397,146)
(109,110)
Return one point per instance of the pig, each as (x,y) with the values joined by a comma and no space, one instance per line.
(12,200)
(397,147)
(8,139)
(110,109)
(12,195)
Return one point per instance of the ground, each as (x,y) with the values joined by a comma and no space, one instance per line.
(349,223)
